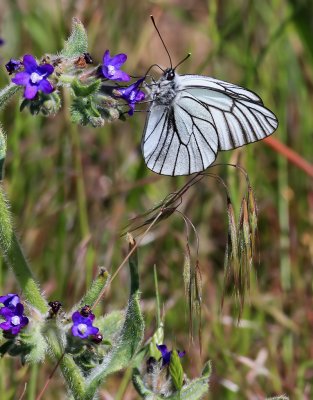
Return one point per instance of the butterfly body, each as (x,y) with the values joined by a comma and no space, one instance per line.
(192,117)
(166,89)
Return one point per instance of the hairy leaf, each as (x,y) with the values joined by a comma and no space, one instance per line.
(176,370)
(77,43)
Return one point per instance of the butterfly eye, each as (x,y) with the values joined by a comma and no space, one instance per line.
(169,74)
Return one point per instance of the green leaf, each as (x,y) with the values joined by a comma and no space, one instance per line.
(194,390)
(77,43)
(197,388)
(36,342)
(157,338)
(96,287)
(7,93)
(81,90)
(110,324)
(176,370)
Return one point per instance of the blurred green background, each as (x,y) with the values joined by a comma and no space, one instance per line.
(72,189)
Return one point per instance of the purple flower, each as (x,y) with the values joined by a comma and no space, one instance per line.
(131,94)
(12,65)
(82,326)
(1,42)
(166,355)
(14,319)
(34,77)
(10,300)
(111,67)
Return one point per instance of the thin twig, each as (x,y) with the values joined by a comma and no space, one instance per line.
(23,392)
(126,258)
(50,377)
(291,155)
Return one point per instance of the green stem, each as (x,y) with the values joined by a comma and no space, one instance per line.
(157,296)
(14,257)
(70,370)
(32,383)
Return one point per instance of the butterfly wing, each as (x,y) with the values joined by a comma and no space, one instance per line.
(207,115)
(179,139)
(238,114)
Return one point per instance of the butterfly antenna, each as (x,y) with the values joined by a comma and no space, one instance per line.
(183,60)
(153,21)
(151,66)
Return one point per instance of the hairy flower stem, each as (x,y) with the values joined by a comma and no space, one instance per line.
(14,257)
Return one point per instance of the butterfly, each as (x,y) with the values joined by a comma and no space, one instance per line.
(192,117)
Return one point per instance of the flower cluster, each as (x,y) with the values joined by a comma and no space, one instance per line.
(34,76)
(12,312)
(111,70)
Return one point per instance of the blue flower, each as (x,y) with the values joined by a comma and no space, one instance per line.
(14,319)
(1,41)
(82,326)
(12,65)
(34,78)
(131,94)
(10,300)
(166,355)
(111,67)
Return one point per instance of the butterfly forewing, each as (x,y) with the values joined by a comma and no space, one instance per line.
(207,115)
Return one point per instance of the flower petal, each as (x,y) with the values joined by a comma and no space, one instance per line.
(131,109)
(106,57)
(162,348)
(7,312)
(181,353)
(75,331)
(45,69)
(77,317)
(30,91)
(19,309)
(140,96)
(5,326)
(45,86)
(10,299)
(118,60)
(15,329)
(21,78)
(166,355)
(121,76)
(92,330)
(24,321)
(30,64)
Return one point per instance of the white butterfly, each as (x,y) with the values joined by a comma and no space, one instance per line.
(192,117)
